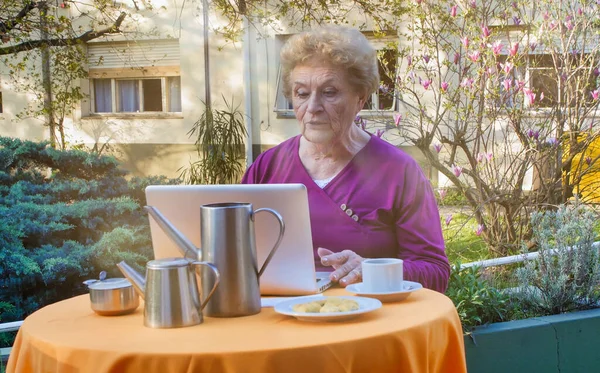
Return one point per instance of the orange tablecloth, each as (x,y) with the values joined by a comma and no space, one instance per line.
(420,334)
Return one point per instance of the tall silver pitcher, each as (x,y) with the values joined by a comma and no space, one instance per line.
(228,241)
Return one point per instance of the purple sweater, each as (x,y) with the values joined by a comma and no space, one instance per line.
(379,206)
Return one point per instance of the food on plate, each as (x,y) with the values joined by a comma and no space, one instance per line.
(326,305)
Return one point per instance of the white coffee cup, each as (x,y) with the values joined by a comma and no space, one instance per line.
(382,275)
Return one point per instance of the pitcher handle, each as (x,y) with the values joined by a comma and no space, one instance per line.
(217,280)
(281,231)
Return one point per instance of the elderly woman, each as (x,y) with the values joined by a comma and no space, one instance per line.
(367,198)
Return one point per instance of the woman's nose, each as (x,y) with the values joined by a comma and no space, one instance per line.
(314,103)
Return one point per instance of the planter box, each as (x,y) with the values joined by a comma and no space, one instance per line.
(560,343)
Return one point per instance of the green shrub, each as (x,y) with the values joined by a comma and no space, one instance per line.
(476,301)
(66,216)
(568,279)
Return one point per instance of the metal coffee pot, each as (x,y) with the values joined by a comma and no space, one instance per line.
(170,291)
(228,241)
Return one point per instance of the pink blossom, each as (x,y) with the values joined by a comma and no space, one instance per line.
(552,25)
(467,83)
(546,16)
(569,25)
(596,71)
(516,20)
(529,96)
(379,133)
(588,160)
(533,134)
(397,119)
(507,67)
(448,219)
(514,49)
(453,10)
(426,58)
(457,170)
(497,47)
(532,45)
(437,147)
(595,94)
(552,141)
(444,86)
(465,41)
(485,31)
(409,60)
(426,84)
(442,193)
(580,11)
(479,230)
(359,121)
(456,58)
(479,157)
(489,156)
(507,83)
(473,4)
(474,56)
(520,85)
(542,96)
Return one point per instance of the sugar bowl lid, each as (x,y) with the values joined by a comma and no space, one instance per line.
(111,283)
(104,284)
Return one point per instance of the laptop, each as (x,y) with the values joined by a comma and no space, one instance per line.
(292,268)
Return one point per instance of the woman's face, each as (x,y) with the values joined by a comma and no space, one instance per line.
(324,102)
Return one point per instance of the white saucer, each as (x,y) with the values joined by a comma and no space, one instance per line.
(364,305)
(394,296)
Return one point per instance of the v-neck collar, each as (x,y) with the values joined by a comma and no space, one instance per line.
(339,174)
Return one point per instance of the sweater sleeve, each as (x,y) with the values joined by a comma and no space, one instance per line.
(419,234)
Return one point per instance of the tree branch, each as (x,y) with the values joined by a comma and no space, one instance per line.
(83,38)
(6,27)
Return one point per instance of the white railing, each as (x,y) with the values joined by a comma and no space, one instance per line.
(512,259)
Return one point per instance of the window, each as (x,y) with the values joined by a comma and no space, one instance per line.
(542,74)
(384,99)
(137,95)
(135,77)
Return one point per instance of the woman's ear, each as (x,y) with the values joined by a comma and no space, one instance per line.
(361,102)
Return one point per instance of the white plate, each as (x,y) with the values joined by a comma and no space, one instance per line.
(394,296)
(364,305)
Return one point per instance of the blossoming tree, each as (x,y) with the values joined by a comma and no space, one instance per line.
(500,97)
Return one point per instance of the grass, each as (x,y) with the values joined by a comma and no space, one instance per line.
(462,242)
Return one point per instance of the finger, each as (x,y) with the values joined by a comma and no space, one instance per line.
(344,270)
(353,277)
(338,258)
(323,252)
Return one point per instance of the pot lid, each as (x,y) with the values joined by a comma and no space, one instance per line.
(111,283)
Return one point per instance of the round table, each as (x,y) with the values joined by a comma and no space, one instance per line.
(419,334)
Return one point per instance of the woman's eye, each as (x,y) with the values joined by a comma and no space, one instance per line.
(330,92)
(301,94)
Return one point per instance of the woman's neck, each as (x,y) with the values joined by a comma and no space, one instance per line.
(337,150)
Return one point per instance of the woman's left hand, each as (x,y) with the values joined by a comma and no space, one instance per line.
(347,265)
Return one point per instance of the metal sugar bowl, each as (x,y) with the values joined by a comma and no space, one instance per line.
(112,297)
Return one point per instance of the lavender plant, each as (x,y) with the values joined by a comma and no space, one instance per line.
(566,274)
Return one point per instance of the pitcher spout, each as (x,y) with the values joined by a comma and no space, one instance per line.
(185,246)
(138,282)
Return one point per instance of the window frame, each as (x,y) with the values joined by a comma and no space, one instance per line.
(115,98)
